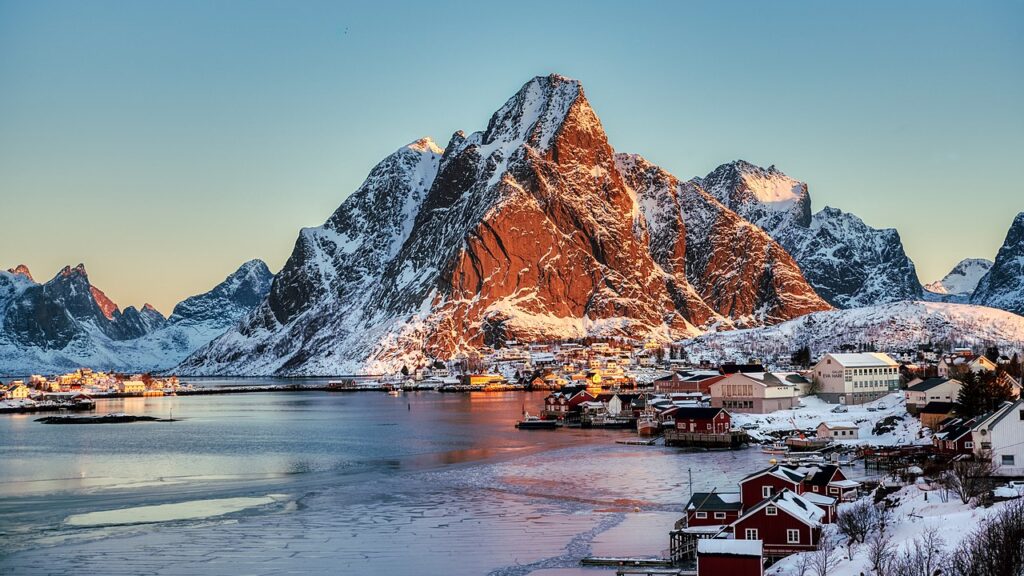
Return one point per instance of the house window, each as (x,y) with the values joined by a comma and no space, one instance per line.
(771,511)
(792,536)
(719,515)
(766,491)
(750,534)
(968,444)
(815,488)
(701,515)
(833,490)
(1007,460)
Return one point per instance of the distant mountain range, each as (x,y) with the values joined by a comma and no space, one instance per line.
(534,228)
(67,322)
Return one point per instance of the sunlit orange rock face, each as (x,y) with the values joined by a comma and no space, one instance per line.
(533,229)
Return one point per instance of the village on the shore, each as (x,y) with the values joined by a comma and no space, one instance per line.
(935,433)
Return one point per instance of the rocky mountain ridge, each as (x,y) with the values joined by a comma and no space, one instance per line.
(526,230)
(849,263)
(67,322)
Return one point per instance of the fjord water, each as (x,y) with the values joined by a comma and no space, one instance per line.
(319,482)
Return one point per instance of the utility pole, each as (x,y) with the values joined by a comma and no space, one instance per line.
(689,471)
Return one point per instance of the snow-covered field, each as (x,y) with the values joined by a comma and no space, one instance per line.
(907,429)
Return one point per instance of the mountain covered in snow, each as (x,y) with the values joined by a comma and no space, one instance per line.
(1003,285)
(849,263)
(960,283)
(67,322)
(887,327)
(530,229)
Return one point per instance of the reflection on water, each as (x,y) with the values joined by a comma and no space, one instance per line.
(442,480)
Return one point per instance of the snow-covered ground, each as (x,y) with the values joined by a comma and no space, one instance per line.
(890,327)
(917,511)
(906,430)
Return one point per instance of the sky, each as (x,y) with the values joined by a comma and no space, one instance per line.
(165,143)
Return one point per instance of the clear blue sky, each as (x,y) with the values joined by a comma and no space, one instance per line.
(163,143)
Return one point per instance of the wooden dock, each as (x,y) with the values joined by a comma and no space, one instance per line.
(628,562)
(731,440)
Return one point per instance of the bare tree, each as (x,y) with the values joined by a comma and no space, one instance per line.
(996,548)
(826,557)
(881,553)
(923,556)
(804,563)
(856,521)
(880,548)
(969,478)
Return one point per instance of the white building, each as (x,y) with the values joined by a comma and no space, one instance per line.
(1001,434)
(921,392)
(855,378)
(839,430)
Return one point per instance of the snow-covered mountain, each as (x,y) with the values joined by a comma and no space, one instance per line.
(959,284)
(847,262)
(1003,285)
(893,326)
(66,322)
(529,229)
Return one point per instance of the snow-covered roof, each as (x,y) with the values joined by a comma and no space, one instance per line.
(799,507)
(839,425)
(863,359)
(844,483)
(818,499)
(729,547)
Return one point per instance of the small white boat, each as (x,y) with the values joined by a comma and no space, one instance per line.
(775,448)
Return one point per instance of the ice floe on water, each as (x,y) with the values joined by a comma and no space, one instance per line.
(190,510)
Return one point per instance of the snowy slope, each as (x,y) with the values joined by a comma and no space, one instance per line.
(41,335)
(894,326)
(849,263)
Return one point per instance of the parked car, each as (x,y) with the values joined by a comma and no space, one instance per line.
(872,409)
(840,409)
(881,406)
(749,426)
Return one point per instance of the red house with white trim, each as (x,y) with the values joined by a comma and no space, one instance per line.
(786,523)
(713,509)
(702,420)
(768,482)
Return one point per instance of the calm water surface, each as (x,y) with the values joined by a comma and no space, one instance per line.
(319,482)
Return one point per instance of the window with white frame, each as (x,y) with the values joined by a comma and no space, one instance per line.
(792,536)
(766,491)
(771,511)
(750,534)
(719,515)
(701,515)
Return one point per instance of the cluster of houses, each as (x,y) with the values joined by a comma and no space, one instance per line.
(776,512)
(86,382)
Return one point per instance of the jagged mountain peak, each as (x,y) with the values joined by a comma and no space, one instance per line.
(425,144)
(526,230)
(1003,285)
(79,270)
(963,278)
(241,290)
(847,262)
(535,113)
(22,270)
(765,196)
